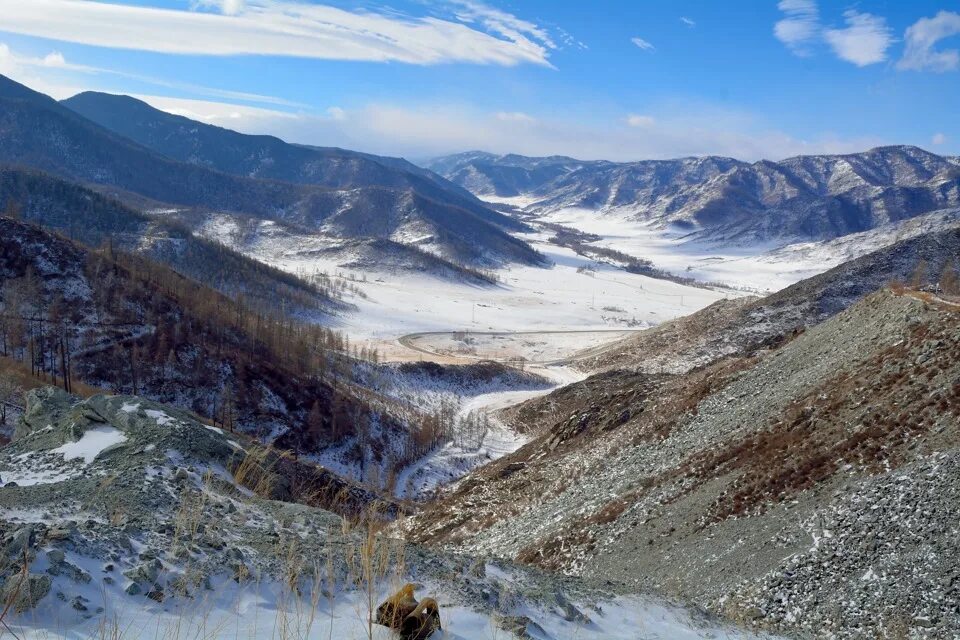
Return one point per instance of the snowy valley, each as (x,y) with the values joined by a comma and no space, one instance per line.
(253,388)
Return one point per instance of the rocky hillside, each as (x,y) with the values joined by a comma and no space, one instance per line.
(743,326)
(780,489)
(120,514)
(803,198)
(38,132)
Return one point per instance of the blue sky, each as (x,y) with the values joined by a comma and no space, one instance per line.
(601,79)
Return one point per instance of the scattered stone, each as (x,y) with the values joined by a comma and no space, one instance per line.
(23,593)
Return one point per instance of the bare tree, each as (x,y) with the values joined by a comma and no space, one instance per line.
(949,280)
(10,394)
(919,277)
(12,210)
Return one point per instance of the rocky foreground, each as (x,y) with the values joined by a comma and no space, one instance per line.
(121,517)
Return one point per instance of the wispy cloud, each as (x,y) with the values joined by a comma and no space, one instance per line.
(643,44)
(938,139)
(514,116)
(922,37)
(687,21)
(800,26)
(233,116)
(30,69)
(475,33)
(864,41)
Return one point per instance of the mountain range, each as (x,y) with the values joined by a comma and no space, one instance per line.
(721,199)
(341,195)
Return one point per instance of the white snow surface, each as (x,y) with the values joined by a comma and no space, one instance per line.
(93,442)
(758,267)
(561,297)
(161,417)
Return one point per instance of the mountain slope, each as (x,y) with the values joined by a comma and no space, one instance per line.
(171,528)
(95,220)
(721,199)
(121,322)
(263,156)
(779,490)
(37,131)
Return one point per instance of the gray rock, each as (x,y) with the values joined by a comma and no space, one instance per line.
(25,593)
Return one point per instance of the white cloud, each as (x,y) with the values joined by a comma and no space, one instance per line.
(286,28)
(231,115)
(635,120)
(522,32)
(800,26)
(643,44)
(687,21)
(864,41)
(233,7)
(514,116)
(938,139)
(35,72)
(568,40)
(336,113)
(923,35)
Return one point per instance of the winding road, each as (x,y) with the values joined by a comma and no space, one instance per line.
(410,342)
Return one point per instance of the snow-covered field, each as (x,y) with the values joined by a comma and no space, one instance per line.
(758,267)
(573,293)
(555,298)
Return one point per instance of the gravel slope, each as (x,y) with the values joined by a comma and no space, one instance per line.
(705,485)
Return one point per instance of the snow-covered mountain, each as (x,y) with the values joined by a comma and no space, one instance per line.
(716,198)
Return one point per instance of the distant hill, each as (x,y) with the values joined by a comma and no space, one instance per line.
(126,324)
(802,198)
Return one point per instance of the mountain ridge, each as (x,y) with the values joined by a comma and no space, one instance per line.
(803,198)
(38,132)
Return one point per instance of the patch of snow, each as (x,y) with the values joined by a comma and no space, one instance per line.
(130,407)
(256,610)
(160,417)
(93,442)
(30,477)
